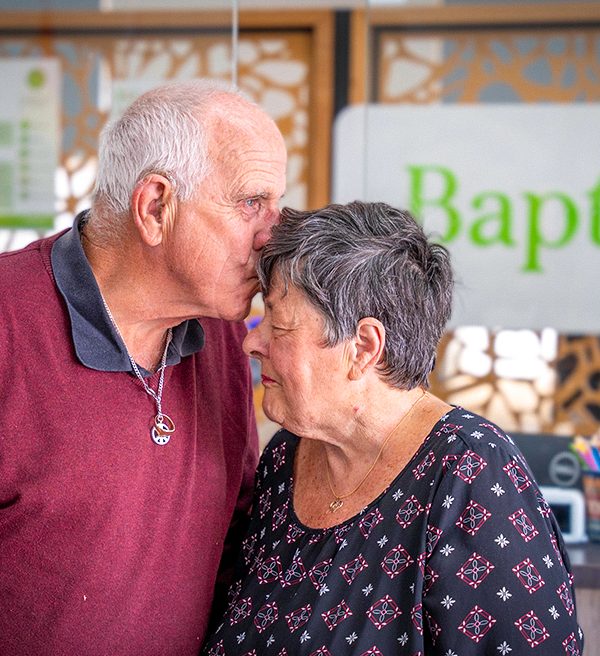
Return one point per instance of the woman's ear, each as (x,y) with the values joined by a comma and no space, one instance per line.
(369,343)
(153,206)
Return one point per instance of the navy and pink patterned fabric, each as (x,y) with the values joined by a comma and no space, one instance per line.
(461,555)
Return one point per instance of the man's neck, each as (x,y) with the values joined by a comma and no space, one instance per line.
(130,288)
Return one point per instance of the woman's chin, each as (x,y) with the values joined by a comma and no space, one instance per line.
(272,414)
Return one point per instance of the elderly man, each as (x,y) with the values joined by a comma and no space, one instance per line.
(128,445)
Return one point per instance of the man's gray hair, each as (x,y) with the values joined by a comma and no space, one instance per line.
(160,132)
(367,260)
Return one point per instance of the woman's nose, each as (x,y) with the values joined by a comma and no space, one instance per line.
(253,344)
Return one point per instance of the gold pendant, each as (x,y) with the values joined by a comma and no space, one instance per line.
(162,430)
(336,505)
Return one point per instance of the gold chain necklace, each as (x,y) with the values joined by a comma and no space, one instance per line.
(338,502)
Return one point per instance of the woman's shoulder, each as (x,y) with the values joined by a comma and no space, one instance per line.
(279,451)
(282,438)
(473,433)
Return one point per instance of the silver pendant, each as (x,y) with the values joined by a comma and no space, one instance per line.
(336,505)
(162,430)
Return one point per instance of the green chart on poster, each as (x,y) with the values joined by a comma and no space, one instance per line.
(29,141)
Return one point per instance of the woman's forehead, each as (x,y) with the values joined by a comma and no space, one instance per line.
(280,297)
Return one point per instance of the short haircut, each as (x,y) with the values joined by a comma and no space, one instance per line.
(367,260)
(160,132)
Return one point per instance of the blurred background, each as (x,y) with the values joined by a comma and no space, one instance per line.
(480,117)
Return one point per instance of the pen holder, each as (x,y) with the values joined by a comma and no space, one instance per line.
(591,489)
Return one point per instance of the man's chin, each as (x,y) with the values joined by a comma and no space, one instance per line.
(238,314)
(237,308)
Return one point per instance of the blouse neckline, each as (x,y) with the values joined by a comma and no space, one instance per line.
(348,522)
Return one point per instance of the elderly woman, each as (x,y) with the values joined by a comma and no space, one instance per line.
(385,521)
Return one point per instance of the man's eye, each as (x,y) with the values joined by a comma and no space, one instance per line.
(252,203)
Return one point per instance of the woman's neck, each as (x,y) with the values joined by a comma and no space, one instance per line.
(359,468)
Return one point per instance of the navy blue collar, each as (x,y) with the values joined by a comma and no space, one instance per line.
(97,343)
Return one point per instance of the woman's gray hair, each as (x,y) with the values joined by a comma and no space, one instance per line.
(367,260)
(161,132)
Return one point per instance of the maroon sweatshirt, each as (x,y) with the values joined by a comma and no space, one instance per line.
(110,544)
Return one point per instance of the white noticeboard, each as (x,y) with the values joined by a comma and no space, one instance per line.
(29,141)
(513,191)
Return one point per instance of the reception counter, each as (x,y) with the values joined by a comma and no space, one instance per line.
(585,563)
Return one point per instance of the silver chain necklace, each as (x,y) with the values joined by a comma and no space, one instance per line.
(164,426)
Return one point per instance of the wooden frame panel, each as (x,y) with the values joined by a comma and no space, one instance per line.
(319,24)
(439,18)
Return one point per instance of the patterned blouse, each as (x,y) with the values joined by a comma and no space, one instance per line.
(460,555)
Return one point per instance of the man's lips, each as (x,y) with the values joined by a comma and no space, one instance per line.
(267,381)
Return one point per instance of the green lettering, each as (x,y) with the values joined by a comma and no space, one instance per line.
(535,235)
(594,196)
(494,227)
(418,199)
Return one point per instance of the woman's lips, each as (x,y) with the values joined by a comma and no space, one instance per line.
(266,381)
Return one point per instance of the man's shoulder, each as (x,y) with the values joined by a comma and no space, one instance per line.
(22,256)
(27,295)
(19,267)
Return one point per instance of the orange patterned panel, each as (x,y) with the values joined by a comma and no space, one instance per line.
(578,394)
(274,69)
(489,66)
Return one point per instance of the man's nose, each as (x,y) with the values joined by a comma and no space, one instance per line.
(264,234)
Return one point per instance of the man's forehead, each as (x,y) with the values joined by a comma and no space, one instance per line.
(247,159)
(239,117)
(251,150)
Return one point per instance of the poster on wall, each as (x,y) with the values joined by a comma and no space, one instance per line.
(29,141)
(513,191)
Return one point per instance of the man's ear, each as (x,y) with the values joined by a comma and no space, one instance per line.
(153,206)
(368,343)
